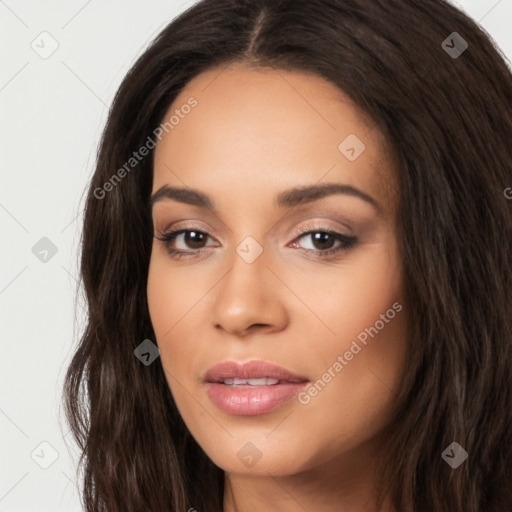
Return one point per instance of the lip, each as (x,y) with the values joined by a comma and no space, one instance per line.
(251,400)
(251,370)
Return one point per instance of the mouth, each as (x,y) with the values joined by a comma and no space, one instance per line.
(255,372)
(250,383)
(253,388)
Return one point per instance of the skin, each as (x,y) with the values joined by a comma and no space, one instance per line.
(253,134)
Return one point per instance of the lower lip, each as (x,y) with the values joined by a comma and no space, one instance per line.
(251,401)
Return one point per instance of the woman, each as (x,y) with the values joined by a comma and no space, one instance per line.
(297,256)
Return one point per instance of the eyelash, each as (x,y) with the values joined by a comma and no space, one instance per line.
(347,242)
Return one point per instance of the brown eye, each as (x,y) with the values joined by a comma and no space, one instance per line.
(184,242)
(194,239)
(323,240)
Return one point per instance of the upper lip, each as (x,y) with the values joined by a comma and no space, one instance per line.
(250,370)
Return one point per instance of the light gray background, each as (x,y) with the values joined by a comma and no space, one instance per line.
(52,112)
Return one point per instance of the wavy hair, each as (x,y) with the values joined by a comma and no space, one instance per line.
(447,123)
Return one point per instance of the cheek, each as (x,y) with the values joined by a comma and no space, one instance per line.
(364,311)
(162,297)
(173,294)
(177,297)
(170,300)
(353,297)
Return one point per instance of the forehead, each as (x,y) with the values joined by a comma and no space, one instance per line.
(254,126)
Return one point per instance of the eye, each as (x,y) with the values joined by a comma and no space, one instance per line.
(193,239)
(323,241)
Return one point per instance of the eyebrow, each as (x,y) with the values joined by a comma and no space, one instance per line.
(286,199)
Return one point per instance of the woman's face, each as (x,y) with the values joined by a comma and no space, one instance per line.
(262,279)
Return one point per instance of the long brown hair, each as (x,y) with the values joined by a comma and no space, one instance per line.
(447,122)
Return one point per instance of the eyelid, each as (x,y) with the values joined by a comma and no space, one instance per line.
(185,225)
(313,225)
(321,225)
(317,226)
(347,242)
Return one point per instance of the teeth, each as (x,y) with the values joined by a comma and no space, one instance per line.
(252,382)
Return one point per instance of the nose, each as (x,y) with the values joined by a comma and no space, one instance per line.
(250,299)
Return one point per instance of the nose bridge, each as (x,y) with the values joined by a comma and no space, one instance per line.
(247,293)
(248,278)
